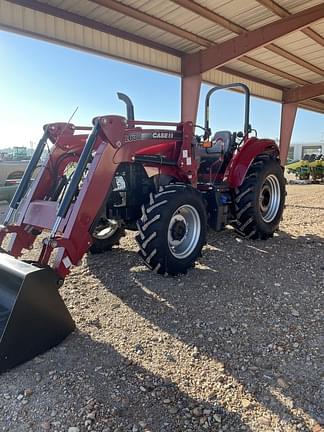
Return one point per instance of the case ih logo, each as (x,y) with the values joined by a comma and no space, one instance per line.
(153,135)
(162,135)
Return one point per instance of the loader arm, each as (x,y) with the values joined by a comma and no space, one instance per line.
(70,217)
(65,210)
(33,317)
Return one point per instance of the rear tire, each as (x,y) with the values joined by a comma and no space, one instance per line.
(106,235)
(172,230)
(260,200)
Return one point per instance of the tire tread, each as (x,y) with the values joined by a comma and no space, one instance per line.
(246,224)
(150,229)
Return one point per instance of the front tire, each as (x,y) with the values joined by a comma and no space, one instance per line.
(172,230)
(260,200)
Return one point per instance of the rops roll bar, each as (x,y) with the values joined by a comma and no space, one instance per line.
(247,126)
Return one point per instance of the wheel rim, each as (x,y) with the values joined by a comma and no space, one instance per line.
(105,231)
(269,199)
(184,231)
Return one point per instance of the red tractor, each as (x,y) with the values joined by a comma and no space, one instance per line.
(160,179)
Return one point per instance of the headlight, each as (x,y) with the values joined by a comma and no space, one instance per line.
(119,184)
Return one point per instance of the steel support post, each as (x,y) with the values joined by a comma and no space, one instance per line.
(288,115)
(190,91)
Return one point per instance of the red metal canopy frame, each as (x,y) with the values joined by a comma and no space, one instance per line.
(212,55)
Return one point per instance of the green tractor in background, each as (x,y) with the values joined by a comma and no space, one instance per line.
(311,167)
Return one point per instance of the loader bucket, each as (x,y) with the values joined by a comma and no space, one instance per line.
(33,316)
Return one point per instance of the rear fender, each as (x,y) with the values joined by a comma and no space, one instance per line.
(243,158)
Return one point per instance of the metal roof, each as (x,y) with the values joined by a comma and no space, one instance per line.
(272,47)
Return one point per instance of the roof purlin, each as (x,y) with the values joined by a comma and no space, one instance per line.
(194,7)
(237,29)
(271,69)
(282,12)
(299,94)
(153,21)
(96,25)
(238,46)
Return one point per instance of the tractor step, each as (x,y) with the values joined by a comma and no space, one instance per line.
(33,316)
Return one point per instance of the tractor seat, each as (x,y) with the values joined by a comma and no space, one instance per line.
(221,142)
(210,160)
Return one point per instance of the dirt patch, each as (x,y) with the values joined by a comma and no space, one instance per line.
(233,345)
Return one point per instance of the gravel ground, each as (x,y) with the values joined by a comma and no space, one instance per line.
(234,345)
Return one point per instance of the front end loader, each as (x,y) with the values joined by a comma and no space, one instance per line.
(159,179)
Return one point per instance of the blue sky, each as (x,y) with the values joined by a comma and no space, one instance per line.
(42,82)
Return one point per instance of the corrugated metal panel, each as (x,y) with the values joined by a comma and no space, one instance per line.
(294,6)
(297,40)
(216,33)
(307,49)
(51,28)
(258,73)
(283,64)
(180,17)
(319,27)
(303,47)
(120,21)
(171,13)
(249,13)
(217,77)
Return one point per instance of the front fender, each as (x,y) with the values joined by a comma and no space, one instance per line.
(244,156)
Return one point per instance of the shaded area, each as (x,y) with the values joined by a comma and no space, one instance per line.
(101,390)
(233,345)
(246,306)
